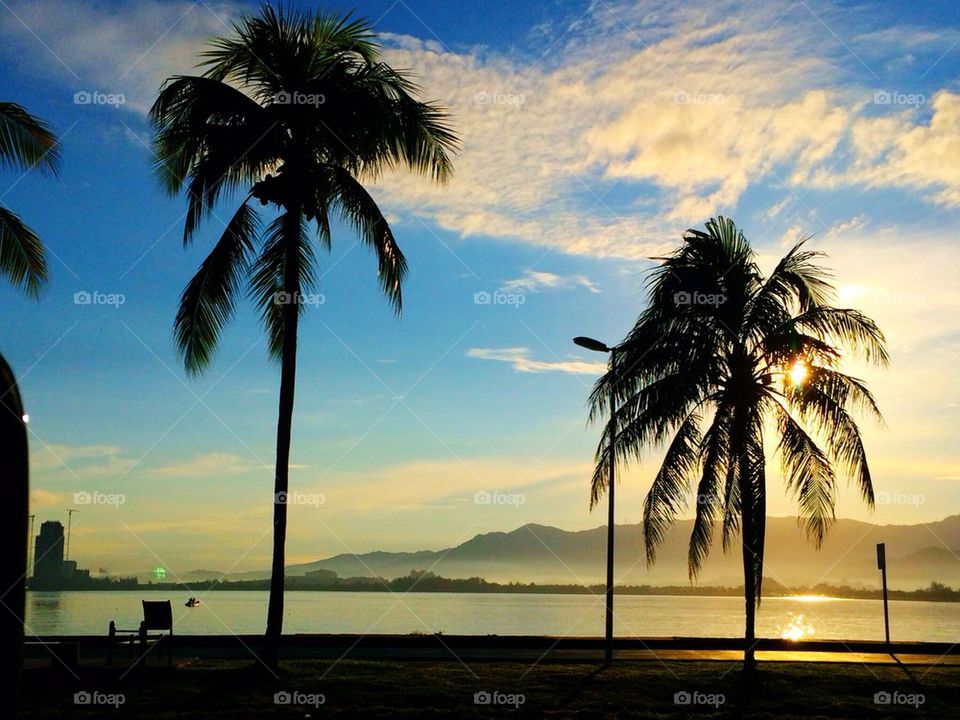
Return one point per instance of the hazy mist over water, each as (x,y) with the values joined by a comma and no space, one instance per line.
(243,612)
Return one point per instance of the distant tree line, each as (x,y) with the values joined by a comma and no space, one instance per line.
(425,581)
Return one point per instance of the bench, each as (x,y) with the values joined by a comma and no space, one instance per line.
(156,629)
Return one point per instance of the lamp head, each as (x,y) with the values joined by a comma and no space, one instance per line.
(591,344)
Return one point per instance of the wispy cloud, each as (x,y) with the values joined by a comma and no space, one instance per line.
(519,358)
(54,460)
(535,281)
(128,48)
(207,465)
(214,464)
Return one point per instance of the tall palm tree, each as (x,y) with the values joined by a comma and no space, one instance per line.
(296,111)
(25,143)
(721,354)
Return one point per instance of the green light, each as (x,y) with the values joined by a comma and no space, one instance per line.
(160,573)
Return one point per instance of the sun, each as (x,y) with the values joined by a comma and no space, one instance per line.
(799,372)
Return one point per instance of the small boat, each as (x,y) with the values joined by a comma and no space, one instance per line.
(192,602)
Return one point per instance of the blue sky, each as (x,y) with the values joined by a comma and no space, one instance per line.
(594,133)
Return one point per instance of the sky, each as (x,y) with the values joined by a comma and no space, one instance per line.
(594,134)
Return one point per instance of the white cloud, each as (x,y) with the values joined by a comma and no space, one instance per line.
(214,465)
(208,465)
(642,120)
(412,486)
(893,151)
(535,281)
(83,462)
(519,358)
(681,109)
(128,48)
(42,499)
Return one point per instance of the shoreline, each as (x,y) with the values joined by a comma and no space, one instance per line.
(492,646)
(816,594)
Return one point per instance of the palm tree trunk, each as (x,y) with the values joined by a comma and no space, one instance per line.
(16,508)
(288,373)
(753,503)
(740,448)
(749,576)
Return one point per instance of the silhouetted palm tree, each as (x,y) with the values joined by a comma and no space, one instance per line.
(25,143)
(719,351)
(296,111)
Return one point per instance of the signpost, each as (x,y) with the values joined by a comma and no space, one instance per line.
(882,565)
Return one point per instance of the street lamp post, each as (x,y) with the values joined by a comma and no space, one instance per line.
(597,346)
(70,512)
(31,555)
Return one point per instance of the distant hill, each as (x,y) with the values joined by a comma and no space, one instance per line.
(916,556)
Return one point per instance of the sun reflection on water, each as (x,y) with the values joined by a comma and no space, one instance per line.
(797,628)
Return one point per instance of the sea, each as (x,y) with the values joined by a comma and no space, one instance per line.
(240,612)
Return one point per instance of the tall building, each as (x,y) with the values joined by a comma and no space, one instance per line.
(48,552)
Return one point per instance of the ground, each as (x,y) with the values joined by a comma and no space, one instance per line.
(207,688)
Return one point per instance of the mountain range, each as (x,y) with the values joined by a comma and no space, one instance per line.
(916,556)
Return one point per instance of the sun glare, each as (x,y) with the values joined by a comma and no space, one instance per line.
(799,372)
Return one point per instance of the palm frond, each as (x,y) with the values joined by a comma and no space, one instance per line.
(22,257)
(211,137)
(850,392)
(715,458)
(647,418)
(809,475)
(208,300)
(269,287)
(26,141)
(821,403)
(732,506)
(797,282)
(362,212)
(671,484)
(848,328)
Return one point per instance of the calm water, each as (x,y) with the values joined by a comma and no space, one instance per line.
(222,612)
